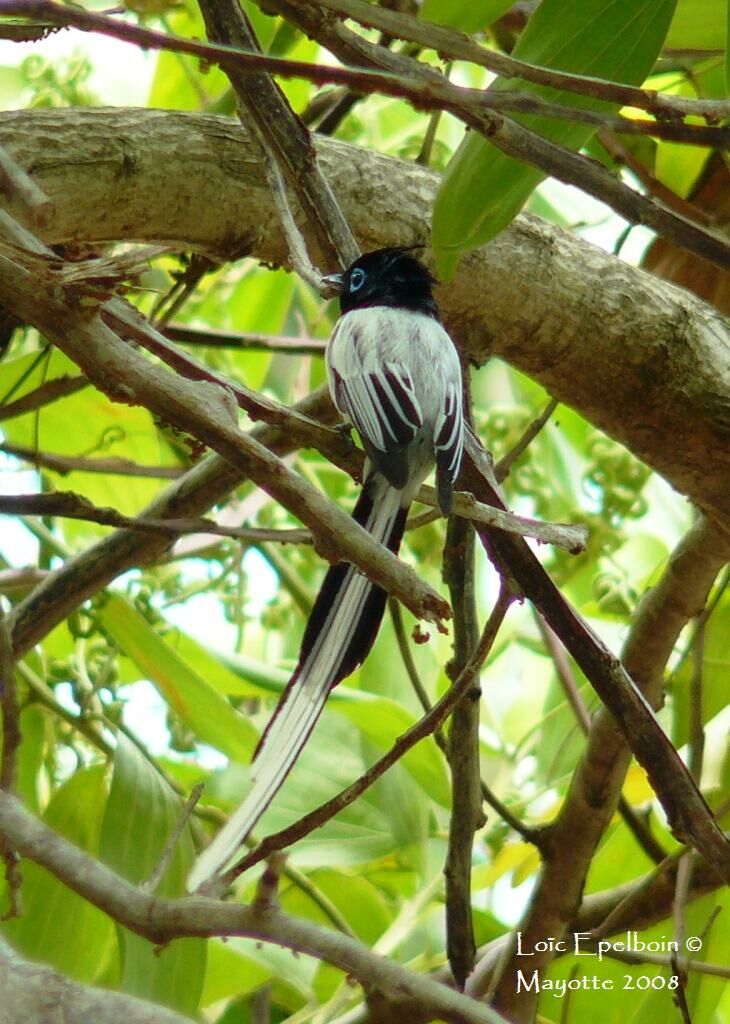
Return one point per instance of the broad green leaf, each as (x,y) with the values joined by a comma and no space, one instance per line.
(25,373)
(87,424)
(511,858)
(264,26)
(181,82)
(33,721)
(141,813)
(382,720)
(359,901)
(292,974)
(190,696)
(233,675)
(331,761)
(57,926)
(231,972)
(698,25)
(468,15)
(483,189)
(260,676)
(705,991)
(715,674)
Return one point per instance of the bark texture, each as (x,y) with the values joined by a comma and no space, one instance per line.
(644,360)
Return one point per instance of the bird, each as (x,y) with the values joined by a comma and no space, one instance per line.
(395,376)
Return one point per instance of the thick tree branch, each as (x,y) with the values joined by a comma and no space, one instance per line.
(207,483)
(455,45)
(204,410)
(596,785)
(653,347)
(161,920)
(30,990)
(285,143)
(480,112)
(401,76)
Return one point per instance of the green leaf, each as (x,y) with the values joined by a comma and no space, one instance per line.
(190,696)
(381,721)
(181,82)
(715,674)
(359,901)
(231,973)
(727,48)
(141,813)
(705,991)
(57,926)
(697,25)
(468,15)
(32,729)
(330,761)
(87,423)
(483,190)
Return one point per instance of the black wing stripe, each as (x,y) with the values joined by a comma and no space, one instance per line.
(394,417)
(404,395)
(449,439)
(381,413)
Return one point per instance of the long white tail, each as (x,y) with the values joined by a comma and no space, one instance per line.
(340,632)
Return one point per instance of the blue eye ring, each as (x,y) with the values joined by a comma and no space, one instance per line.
(357,279)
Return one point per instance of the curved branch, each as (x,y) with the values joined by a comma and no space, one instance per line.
(599,335)
(30,989)
(595,787)
(161,920)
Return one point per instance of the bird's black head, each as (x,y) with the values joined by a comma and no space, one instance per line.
(386,277)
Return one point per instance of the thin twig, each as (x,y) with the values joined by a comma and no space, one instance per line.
(43,395)
(152,883)
(622,155)
(424,727)
(68,505)
(285,143)
(696,718)
(426,89)
(129,322)
(455,45)
(11,739)
(65,464)
(572,537)
(463,753)
(530,835)
(87,727)
(503,467)
(10,708)
(249,342)
(635,896)
(630,956)
(396,614)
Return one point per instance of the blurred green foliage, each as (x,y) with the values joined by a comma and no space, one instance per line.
(215,626)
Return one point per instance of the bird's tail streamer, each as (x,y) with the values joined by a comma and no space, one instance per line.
(339,634)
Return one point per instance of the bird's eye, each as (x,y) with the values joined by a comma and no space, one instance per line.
(357,279)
